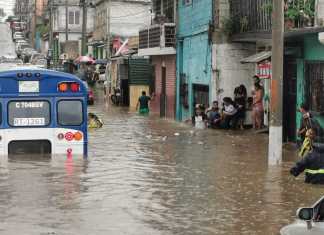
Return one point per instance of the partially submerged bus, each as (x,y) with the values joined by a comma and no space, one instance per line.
(42,112)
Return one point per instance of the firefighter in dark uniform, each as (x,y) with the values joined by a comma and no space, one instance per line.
(312,165)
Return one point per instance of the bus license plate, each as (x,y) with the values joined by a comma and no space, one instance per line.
(28,86)
(29,121)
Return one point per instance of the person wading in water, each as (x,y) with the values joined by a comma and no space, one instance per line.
(306,132)
(143,103)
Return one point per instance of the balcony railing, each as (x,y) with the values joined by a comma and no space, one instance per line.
(161,36)
(250,16)
(253,16)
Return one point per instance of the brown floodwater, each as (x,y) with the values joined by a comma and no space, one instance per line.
(141,178)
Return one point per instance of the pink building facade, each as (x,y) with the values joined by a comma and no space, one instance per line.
(165,86)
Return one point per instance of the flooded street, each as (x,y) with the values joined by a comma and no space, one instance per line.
(141,178)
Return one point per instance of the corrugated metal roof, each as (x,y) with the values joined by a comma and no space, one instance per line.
(258,57)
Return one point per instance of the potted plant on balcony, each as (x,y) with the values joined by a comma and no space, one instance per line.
(292,15)
(309,12)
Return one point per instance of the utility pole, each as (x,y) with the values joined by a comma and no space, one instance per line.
(84,28)
(66,21)
(108,30)
(34,25)
(275,131)
(50,46)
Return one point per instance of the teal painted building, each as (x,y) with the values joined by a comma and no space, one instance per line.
(194,55)
(310,81)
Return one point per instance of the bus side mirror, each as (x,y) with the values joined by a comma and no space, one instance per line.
(306,214)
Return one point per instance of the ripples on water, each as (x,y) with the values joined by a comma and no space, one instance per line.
(142,179)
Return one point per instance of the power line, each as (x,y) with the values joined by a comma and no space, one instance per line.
(135,14)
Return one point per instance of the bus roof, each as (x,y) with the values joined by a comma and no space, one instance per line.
(13,71)
(46,81)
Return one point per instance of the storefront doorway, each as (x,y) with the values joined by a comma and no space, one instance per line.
(290,99)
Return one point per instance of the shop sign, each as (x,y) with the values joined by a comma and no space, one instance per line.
(264,70)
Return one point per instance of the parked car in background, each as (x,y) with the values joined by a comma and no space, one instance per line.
(310,220)
(90,97)
(37,56)
(90,94)
(21,41)
(11,19)
(102,64)
(18,35)
(102,74)
(14,61)
(41,63)
(8,56)
(20,48)
(27,53)
(17,28)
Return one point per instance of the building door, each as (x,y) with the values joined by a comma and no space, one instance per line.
(290,99)
(163,93)
(125,91)
(201,94)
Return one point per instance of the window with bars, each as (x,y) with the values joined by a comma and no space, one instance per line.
(315,85)
(314,95)
(77,17)
(71,17)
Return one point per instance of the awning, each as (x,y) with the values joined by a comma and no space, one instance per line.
(258,57)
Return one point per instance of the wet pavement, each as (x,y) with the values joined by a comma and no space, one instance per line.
(140,178)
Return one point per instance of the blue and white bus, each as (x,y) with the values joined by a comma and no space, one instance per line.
(42,112)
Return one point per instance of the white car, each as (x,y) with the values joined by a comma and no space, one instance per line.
(37,56)
(20,48)
(23,42)
(19,37)
(40,63)
(310,221)
(16,34)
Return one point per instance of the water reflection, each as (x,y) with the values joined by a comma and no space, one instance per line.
(141,178)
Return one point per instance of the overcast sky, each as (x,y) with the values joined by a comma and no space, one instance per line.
(7,5)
